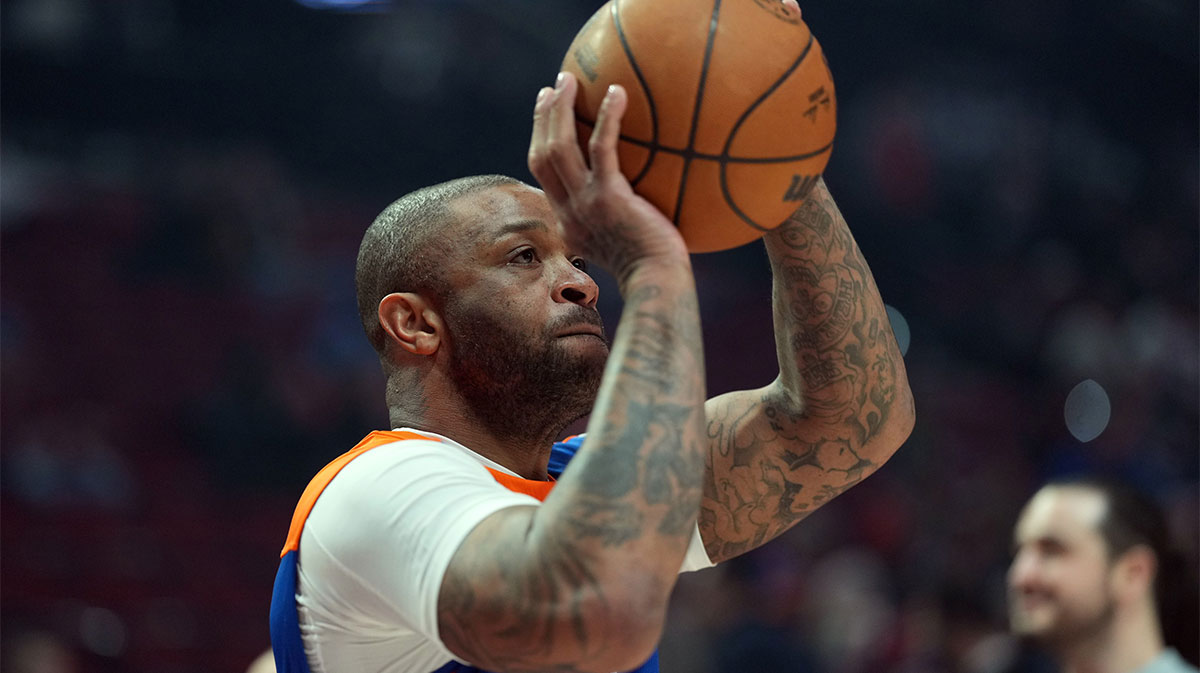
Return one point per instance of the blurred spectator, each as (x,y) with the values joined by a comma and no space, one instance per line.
(64,459)
(39,652)
(1093,565)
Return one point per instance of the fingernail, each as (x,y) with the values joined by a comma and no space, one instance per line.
(562,77)
(542,93)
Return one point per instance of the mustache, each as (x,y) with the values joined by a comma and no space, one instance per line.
(1016,594)
(578,315)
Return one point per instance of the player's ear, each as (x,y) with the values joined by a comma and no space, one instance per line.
(411,322)
(1136,570)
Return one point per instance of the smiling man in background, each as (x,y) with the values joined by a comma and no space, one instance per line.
(1088,577)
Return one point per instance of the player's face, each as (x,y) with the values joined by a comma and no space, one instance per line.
(523,326)
(1060,581)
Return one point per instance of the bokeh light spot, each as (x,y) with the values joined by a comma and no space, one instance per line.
(899,328)
(102,631)
(1087,410)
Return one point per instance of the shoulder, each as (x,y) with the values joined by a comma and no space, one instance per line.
(395,478)
(425,457)
(404,489)
(390,521)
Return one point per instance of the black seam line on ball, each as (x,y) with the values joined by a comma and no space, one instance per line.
(767,94)
(720,158)
(733,132)
(616,17)
(689,155)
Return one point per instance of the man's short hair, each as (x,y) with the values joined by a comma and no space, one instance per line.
(1131,518)
(398,251)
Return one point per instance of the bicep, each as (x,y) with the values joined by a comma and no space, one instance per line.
(493,611)
(515,599)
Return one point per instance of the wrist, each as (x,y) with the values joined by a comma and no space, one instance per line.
(666,272)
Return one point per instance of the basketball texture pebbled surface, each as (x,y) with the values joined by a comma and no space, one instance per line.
(731,115)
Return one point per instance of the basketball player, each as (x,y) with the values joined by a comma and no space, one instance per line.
(1087,578)
(456,542)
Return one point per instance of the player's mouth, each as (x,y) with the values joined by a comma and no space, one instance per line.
(1028,602)
(583,330)
(580,322)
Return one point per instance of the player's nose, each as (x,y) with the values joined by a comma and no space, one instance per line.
(1023,571)
(574,285)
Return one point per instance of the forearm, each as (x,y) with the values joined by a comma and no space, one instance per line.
(837,411)
(838,357)
(632,494)
(582,582)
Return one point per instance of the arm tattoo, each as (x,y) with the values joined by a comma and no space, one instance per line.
(629,499)
(779,453)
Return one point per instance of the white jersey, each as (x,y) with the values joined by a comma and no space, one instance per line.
(377,543)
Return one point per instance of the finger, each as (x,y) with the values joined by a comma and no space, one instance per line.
(538,159)
(562,143)
(793,6)
(602,147)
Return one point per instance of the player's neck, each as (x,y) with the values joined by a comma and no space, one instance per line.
(526,452)
(519,438)
(527,457)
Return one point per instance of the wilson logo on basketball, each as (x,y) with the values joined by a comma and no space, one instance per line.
(800,187)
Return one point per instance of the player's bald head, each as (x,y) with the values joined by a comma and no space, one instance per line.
(404,248)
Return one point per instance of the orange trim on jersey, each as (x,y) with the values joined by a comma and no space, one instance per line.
(326,475)
(537,489)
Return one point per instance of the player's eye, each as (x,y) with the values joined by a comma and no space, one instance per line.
(525,256)
(1051,548)
(580,263)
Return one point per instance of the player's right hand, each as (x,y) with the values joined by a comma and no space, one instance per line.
(602,216)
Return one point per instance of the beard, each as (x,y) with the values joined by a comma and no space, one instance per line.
(523,385)
(1069,625)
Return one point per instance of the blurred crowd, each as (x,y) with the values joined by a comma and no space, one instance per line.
(183,189)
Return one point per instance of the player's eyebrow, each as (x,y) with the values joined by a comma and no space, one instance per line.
(519,226)
(1049,541)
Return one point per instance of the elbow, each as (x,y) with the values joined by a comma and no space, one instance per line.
(634,628)
(585,630)
(623,623)
(898,426)
(631,616)
(907,407)
(626,654)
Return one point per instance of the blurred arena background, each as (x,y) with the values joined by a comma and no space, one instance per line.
(183,186)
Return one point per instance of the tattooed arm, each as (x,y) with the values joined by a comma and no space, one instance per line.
(582,582)
(840,407)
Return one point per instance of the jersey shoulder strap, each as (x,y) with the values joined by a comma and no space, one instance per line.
(286,640)
(326,475)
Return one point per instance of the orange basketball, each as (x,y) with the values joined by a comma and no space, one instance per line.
(731,112)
